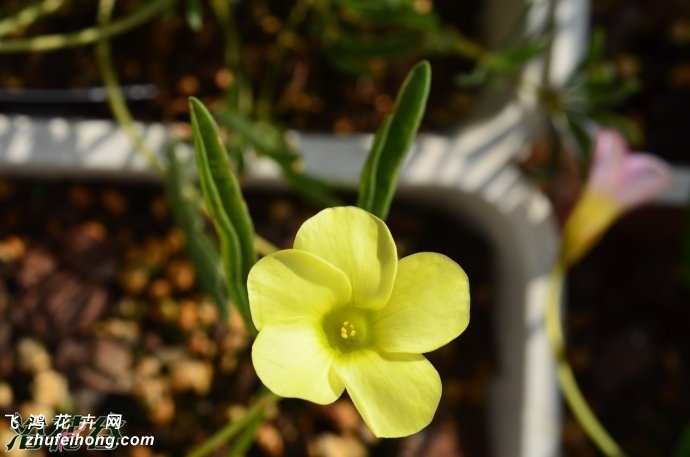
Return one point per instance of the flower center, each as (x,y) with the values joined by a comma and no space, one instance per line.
(346,329)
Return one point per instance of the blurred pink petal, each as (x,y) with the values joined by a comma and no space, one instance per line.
(607,161)
(644,178)
(629,178)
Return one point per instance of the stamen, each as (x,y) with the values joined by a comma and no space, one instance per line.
(347,331)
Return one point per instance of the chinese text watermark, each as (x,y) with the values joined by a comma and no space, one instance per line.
(70,433)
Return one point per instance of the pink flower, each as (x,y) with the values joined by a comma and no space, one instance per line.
(619,180)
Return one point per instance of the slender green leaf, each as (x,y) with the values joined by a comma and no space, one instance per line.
(368,176)
(226,206)
(393,140)
(198,244)
(245,439)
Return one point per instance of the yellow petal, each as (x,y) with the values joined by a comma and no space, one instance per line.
(294,360)
(396,394)
(429,305)
(357,243)
(593,214)
(288,285)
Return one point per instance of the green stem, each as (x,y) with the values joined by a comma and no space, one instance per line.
(566,378)
(116,101)
(28,16)
(231,429)
(283,43)
(86,36)
(467,47)
(246,438)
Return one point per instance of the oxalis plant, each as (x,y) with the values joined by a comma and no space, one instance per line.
(339,311)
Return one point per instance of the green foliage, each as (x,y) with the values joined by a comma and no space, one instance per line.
(591,95)
(392,142)
(500,65)
(226,206)
(269,140)
(198,244)
(354,33)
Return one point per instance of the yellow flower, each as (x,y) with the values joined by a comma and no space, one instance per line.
(339,311)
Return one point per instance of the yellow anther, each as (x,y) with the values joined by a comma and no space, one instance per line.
(347,330)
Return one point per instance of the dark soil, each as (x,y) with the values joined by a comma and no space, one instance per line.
(628,339)
(96,290)
(651,40)
(176,62)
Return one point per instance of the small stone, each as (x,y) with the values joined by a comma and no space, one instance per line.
(32,356)
(6,395)
(112,359)
(148,367)
(155,253)
(236,340)
(188,85)
(181,274)
(228,363)
(208,312)
(93,232)
(224,78)
(50,388)
(169,310)
(201,345)
(128,308)
(174,241)
(36,266)
(151,391)
(330,445)
(12,249)
(163,412)
(80,196)
(114,202)
(189,317)
(134,280)
(189,374)
(270,441)
(159,289)
(344,416)
(124,330)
